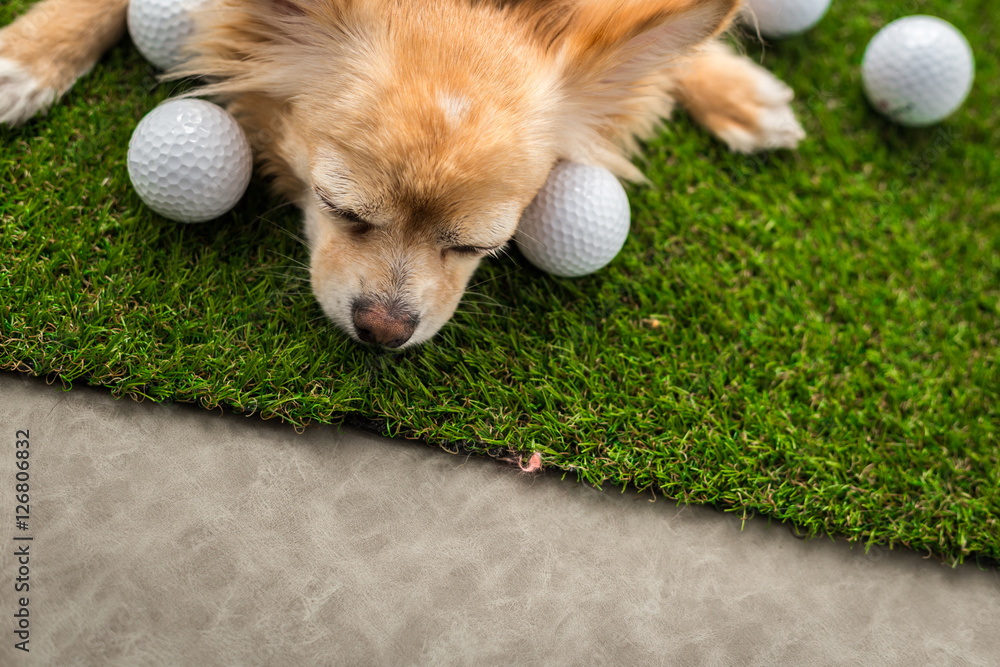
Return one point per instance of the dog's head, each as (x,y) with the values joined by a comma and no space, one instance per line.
(414,134)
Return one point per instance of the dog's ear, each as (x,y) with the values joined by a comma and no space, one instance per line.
(288,7)
(624,41)
(307,7)
(612,58)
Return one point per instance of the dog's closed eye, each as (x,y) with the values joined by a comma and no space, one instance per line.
(476,251)
(358,224)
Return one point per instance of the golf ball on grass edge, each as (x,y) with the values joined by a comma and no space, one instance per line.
(784,18)
(918,70)
(189,160)
(159,28)
(577,223)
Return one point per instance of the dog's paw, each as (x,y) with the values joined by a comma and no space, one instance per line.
(21,94)
(765,121)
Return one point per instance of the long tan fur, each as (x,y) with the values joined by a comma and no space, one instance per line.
(412,134)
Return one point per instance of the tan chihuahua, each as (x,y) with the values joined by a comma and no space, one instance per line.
(413,133)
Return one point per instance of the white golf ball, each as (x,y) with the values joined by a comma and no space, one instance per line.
(189,160)
(160,27)
(918,70)
(784,18)
(577,223)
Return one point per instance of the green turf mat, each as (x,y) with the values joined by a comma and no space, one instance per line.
(812,336)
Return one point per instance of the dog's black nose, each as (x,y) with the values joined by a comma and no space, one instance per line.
(389,326)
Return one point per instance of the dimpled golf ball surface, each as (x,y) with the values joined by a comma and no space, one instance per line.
(785,18)
(577,223)
(918,70)
(160,27)
(189,160)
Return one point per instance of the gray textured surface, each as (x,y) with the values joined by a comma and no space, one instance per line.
(171,535)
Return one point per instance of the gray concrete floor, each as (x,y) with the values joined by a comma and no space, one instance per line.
(173,535)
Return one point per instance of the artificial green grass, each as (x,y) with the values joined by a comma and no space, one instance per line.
(811,336)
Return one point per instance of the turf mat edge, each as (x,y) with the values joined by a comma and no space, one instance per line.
(810,336)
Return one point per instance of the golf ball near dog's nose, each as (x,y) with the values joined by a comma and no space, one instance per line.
(160,27)
(189,160)
(577,223)
(784,18)
(918,70)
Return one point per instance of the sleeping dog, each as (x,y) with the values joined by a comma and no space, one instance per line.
(413,133)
